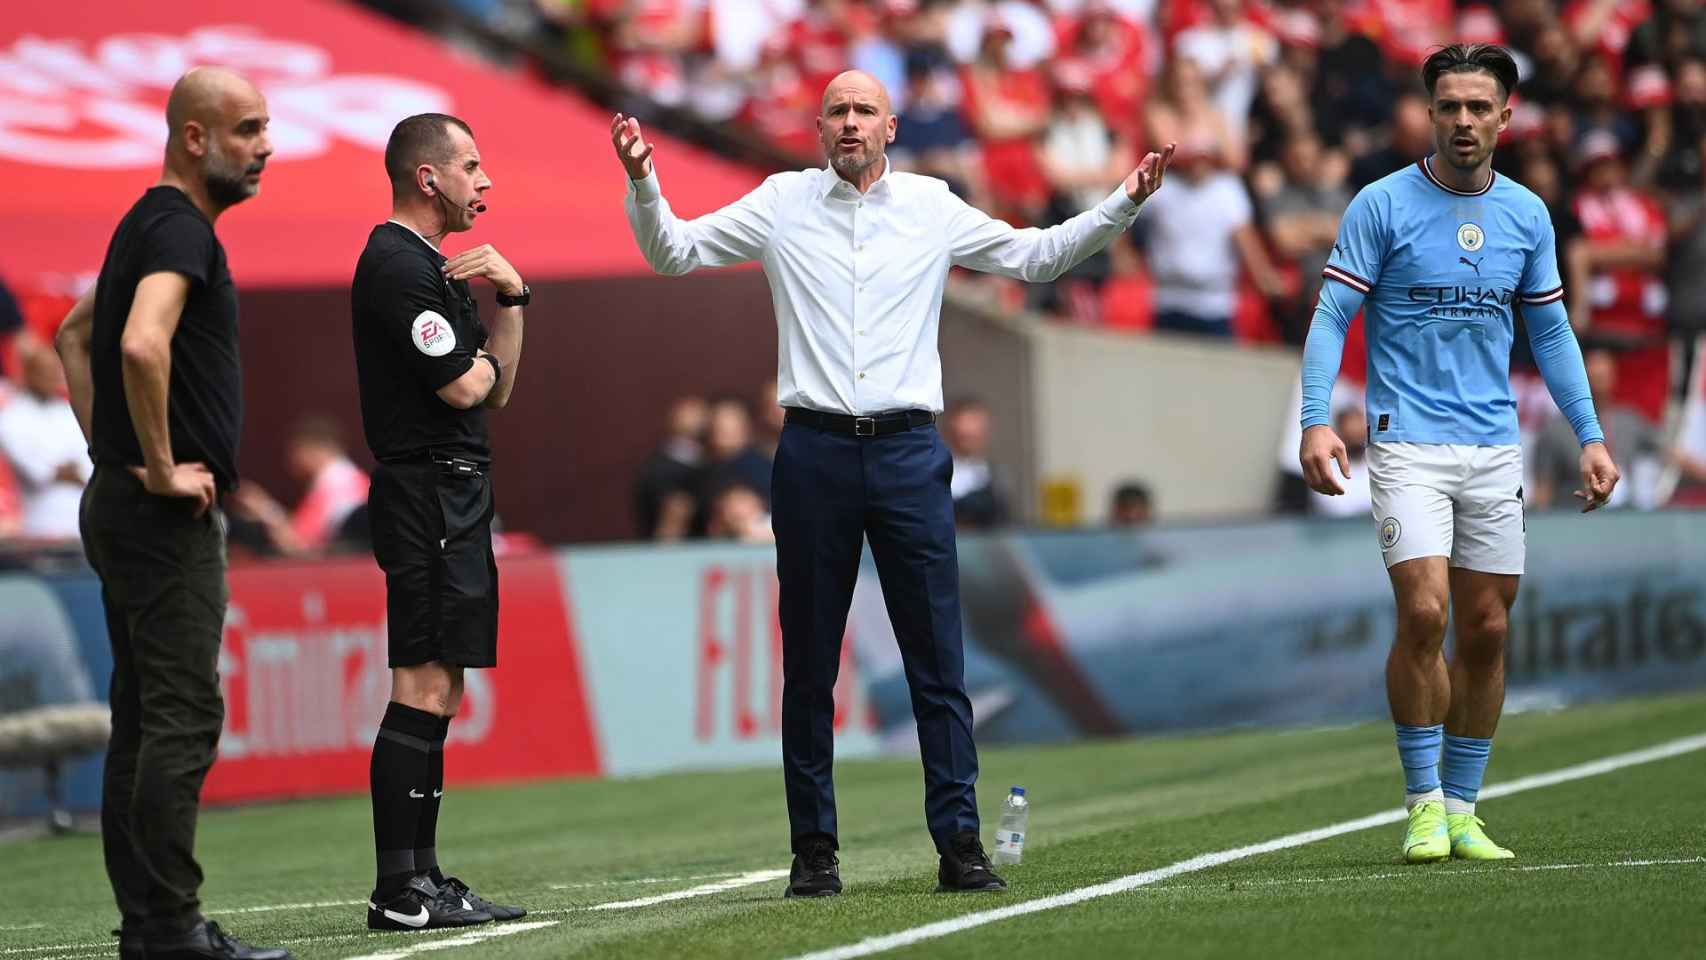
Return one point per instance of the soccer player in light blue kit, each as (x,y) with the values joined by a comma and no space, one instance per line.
(1438,255)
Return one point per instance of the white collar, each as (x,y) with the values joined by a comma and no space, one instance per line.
(415,232)
(831,178)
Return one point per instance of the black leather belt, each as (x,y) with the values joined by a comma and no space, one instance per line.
(446,463)
(880,425)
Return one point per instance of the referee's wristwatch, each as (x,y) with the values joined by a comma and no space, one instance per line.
(519,300)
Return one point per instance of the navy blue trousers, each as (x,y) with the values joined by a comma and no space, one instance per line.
(829,492)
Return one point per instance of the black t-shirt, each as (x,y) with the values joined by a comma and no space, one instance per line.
(415,332)
(164,232)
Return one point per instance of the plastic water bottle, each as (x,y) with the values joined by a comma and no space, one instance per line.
(1010,835)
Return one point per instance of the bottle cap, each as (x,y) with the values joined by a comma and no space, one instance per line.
(1019,791)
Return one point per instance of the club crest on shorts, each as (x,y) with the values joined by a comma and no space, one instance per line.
(1390,531)
(432,333)
(1470,237)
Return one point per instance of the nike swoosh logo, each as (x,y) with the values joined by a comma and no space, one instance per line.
(417,920)
(417,794)
(437,793)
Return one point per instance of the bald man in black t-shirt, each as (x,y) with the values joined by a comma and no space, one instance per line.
(151,361)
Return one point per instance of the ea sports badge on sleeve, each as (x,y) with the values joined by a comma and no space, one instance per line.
(432,334)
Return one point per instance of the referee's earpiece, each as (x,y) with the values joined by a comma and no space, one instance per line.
(432,185)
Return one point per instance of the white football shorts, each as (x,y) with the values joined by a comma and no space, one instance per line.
(1449,500)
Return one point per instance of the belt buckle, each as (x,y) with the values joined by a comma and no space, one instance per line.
(864,426)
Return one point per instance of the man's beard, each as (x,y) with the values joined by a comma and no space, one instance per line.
(226,183)
(850,164)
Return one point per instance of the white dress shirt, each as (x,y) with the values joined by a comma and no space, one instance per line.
(857,279)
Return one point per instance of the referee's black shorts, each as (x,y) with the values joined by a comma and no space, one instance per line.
(432,535)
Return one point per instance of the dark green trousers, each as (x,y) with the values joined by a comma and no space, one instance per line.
(162,573)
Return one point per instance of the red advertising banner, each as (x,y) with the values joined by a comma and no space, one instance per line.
(305,681)
(83,86)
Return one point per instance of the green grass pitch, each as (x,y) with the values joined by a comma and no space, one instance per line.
(1612,865)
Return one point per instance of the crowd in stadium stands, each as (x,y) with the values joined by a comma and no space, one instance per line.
(1032,111)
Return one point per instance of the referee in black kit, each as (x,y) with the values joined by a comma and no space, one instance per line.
(151,360)
(428,370)
(857,255)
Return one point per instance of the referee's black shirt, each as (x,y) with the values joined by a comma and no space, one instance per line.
(164,232)
(415,332)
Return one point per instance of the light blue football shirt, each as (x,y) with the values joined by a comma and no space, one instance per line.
(1440,271)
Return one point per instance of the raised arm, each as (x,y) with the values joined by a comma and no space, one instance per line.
(978,241)
(735,234)
(72,341)
(504,343)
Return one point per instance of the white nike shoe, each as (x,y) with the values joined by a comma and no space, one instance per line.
(420,907)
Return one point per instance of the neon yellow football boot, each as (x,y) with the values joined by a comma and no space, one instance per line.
(1426,839)
(1470,842)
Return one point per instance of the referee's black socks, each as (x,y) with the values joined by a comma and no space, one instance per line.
(426,828)
(404,751)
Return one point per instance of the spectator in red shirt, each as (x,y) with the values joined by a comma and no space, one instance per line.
(1009,109)
(1117,52)
(1626,236)
(334,489)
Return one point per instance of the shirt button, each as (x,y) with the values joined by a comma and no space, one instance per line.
(861,376)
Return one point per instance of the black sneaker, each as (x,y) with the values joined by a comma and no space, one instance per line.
(816,872)
(205,940)
(420,907)
(458,894)
(965,867)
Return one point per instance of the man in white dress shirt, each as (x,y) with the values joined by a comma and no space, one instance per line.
(857,255)
(39,436)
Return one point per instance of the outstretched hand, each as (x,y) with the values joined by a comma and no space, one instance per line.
(631,148)
(1146,179)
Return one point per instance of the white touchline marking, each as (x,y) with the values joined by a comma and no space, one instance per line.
(60,948)
(732,883)
(943,928)
(476,935)
(636,881)
(726,882)
(324,905)
(24,926)
(1453,875)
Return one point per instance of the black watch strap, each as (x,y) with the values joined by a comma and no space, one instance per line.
(519,300)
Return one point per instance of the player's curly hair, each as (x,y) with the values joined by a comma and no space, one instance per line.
(1470,58)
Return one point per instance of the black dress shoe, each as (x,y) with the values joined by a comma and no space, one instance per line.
(965,867)
(130,945)
(205,940)
(816,872)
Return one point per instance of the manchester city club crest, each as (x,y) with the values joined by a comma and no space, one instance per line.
(1470,237)
(1390,531)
